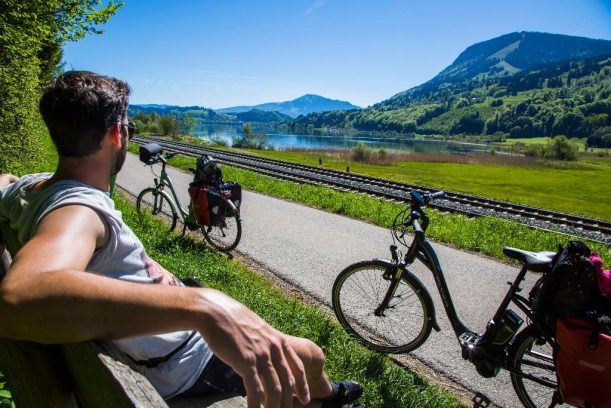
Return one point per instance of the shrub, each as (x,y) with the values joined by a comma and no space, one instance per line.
(360,152)
(562,149)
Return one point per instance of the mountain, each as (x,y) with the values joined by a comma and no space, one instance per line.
(204,115)
(518,85)
(301,106)
(508,55)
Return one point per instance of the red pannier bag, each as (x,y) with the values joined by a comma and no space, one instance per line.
(583,363)
(206,204)
(199,198)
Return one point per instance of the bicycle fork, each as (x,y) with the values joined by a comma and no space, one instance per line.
(394,275)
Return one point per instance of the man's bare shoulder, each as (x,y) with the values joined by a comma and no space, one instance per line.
(66,238)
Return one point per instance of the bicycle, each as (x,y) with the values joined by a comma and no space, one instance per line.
(224,235)
(387,308)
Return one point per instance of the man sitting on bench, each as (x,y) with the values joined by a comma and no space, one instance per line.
(190,341)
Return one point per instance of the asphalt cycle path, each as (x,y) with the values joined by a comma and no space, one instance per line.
(308,248)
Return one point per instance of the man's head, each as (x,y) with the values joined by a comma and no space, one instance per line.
(80,107)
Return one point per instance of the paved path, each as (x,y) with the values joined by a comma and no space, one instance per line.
(309,248)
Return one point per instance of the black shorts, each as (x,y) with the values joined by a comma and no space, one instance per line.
(216,378)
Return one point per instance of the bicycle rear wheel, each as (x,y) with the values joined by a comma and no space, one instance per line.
(227,234)
(531,354)
(157,203)
(403,326)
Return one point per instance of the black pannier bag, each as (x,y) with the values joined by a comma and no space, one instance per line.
(236,193)
(149,153)
(569,288)
(208,171)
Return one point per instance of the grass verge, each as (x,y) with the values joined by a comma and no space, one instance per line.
(386,385)
(573,187)
(486,235)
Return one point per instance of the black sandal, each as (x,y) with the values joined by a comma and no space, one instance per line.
(343,393)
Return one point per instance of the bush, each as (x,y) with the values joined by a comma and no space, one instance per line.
(169,125)
(251,141)
(219,141)
(361,152)
(562,149)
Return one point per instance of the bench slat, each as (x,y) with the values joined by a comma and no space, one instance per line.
(101,381)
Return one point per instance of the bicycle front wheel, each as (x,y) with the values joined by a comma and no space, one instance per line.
(157,203)
(532,355)
(226,235)
(402,326)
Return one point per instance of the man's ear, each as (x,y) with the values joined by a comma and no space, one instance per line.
(114,133)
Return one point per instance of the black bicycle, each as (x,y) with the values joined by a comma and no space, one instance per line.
(385,306)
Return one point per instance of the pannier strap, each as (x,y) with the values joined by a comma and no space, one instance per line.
(600,322)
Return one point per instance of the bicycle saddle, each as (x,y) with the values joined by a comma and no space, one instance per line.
(534,261)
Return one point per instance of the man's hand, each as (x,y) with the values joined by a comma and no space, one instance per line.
(261,355)
(6,179)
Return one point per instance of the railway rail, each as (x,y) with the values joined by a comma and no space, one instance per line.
(585,227)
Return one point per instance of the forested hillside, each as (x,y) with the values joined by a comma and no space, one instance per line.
(518,85)
(197,112)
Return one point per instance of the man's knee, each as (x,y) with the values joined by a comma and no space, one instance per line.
(311,355)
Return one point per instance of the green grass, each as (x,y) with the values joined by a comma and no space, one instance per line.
(487,235)
(385,383)
(6,400)
(577,188)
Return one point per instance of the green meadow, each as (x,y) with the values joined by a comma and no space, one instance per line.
(573,187)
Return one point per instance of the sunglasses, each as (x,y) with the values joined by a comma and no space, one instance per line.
(131,129)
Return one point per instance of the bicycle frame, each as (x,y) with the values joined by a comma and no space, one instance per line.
(165,180)
(422,250)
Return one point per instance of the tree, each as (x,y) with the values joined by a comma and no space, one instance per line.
(562,149)
(187,122)
(33,33)
(169,125)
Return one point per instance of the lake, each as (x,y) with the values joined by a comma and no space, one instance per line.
(284,140)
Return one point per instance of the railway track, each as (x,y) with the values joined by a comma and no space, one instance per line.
(590,228)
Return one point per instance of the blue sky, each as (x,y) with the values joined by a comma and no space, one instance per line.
(237,52)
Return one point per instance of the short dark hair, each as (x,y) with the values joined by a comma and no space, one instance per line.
(79,107)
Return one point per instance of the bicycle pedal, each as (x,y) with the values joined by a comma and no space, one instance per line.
(468,339)
(191,226)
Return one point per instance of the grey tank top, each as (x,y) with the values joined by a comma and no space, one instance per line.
(123,257)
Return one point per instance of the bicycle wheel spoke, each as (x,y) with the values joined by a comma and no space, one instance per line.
(153,202)
(537,384)
(226,235)
(358,295)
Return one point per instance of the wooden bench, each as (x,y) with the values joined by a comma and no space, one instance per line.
(81,374)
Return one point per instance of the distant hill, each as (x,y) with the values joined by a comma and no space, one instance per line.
(518,85)
(197,112)
(301,106)
(258,115)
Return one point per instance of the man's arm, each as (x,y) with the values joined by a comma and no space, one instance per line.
(46,297)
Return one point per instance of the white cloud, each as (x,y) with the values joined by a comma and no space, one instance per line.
(317,4)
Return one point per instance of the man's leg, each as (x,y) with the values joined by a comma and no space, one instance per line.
(313,360)
(322,391)
(219,377)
